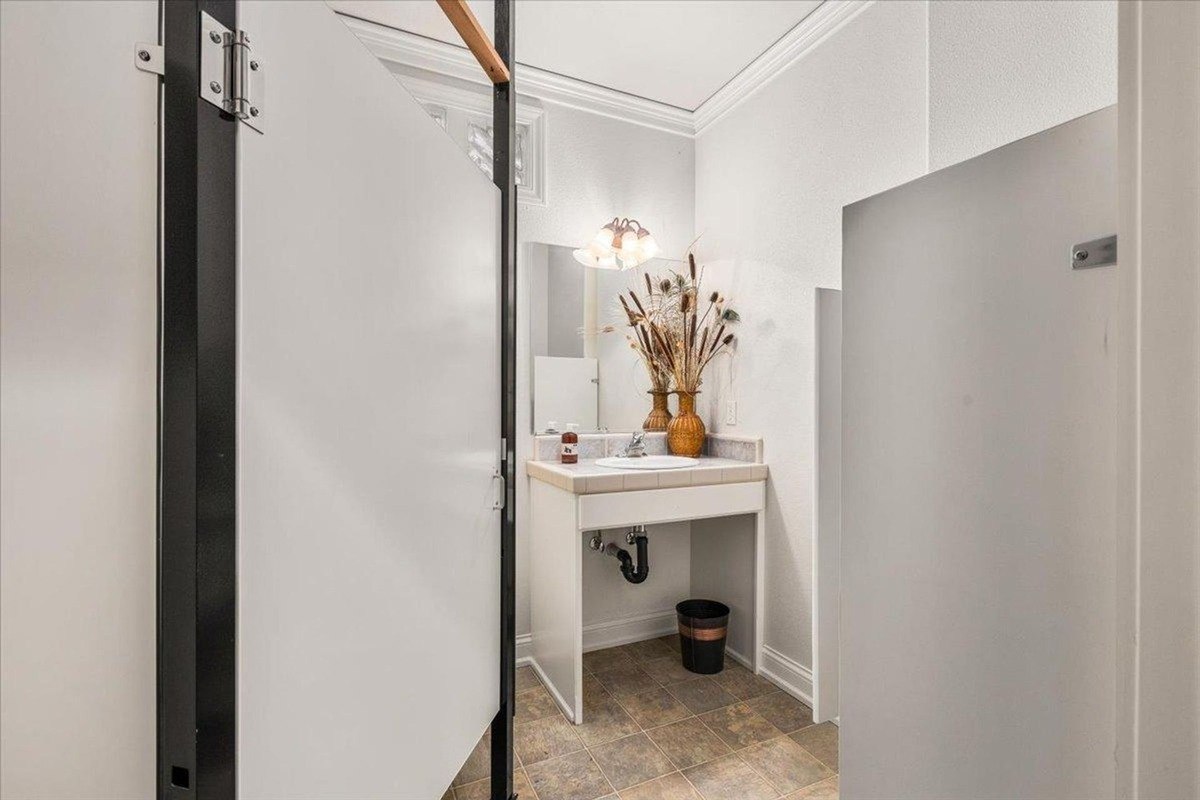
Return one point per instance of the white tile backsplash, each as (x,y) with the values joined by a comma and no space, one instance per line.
(600,445)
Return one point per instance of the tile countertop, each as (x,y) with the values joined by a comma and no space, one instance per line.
(587,478)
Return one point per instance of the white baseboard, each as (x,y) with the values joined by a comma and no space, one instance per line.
(558,698)
(599,635)
(612,633)
(791,676)
(524,650)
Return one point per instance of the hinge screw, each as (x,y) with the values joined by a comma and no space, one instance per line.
(214,37)
(144,55)
(253,111)
(1081,255)
(216,87)
(254,65)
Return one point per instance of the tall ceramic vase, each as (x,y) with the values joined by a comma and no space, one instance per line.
(660,415)
(685,433)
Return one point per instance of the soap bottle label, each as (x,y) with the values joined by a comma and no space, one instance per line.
(569,450)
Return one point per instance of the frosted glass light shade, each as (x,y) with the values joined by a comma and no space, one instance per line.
(649,248)
(604,239)
(629,244)
(620,244)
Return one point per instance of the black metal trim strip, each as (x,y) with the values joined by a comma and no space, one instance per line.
(197,424)
(504,125)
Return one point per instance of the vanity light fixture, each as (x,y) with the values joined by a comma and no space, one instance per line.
(621,244)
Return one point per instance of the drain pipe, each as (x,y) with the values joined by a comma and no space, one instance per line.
(636,536)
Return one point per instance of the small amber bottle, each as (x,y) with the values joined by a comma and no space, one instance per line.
(570,445)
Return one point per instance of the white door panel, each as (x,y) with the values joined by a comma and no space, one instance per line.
(979,400)
(78,400)
(369,428)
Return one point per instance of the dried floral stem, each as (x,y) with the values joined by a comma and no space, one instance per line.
(674,338)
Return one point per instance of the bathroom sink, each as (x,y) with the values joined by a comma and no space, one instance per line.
(648,462)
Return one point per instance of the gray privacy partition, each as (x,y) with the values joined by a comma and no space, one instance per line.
(369,429)
(827,544)
(979,389)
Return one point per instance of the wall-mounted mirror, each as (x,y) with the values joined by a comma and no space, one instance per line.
(583,370)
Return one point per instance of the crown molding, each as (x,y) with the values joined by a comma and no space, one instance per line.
(823,22)
(410,50)
(401,48)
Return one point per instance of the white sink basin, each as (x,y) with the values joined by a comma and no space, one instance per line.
(649,462)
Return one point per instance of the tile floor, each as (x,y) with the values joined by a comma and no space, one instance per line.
(654,731)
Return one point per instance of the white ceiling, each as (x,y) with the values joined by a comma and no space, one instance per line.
(677,52)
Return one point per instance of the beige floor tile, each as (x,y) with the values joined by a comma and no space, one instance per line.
(648,649)
(449,795)
(729,778)
(688,742)
(825,790)
(654,708)
(671,641)
(738,726)
(782,710)
(701,694)
(604,720)
(601,660)
(668,787)
(625,679)
(822,741)
(482,790)
(572,777)
(591,686)
(527,679)
(786,765)
(667,670)
(534,704)
(544,739)
(741,682)
(630,761)
(478,764)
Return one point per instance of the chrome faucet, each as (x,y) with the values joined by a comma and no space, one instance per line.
(636,447)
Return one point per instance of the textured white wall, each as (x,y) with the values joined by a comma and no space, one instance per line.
(901,88)
(1000,70)
(600,167)
(845,122)
(608,596)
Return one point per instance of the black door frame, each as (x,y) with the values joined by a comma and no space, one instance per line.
(197,502)
(504,139)
(197,554)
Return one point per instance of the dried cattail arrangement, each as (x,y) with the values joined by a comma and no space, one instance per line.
(676,329)
(648,321)
(696,336)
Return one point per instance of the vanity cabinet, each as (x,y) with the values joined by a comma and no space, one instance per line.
(722,498)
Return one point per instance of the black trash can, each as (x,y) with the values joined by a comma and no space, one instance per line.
(702,629)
